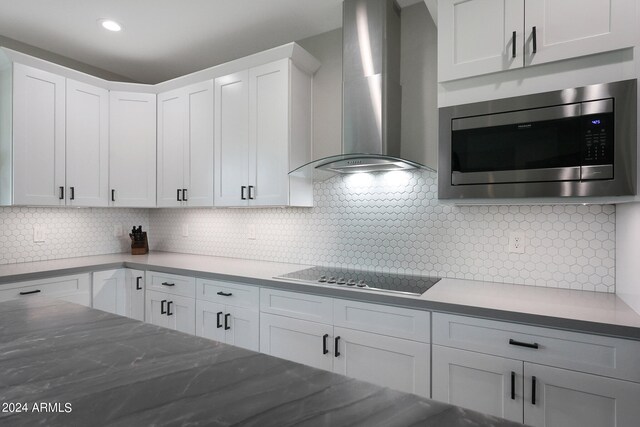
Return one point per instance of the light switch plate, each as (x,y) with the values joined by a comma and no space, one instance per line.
(185,230)
(38,234)
(117,230)
(251,232)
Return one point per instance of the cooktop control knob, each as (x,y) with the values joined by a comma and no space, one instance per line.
(322,279)
(362,284)
(351,282)
(332,280)
(341,281)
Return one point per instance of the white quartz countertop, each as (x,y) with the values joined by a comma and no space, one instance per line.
(583,311)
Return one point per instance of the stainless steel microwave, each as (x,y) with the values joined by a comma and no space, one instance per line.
(578,142)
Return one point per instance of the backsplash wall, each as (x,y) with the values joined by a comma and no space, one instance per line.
(69,232)
(393,222)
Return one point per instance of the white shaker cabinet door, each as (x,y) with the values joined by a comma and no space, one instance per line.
(172,147)
(479,37)
(132,149)
(478,381)
(135,293)
(242,327)
(297,340)
(387,361)
(87,149)
(38,137)
(574,399)
(181,314)
(110,291)
(155,311)
(210,320)
(269,134)
(231,139)
(569,28)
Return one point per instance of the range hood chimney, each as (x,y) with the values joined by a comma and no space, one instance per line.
(371,93)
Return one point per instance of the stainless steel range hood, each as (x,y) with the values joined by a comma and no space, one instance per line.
(371,93)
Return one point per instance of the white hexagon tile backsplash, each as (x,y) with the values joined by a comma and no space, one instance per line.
(68,232)
(393,222)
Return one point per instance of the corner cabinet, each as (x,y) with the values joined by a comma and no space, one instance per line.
(132,149)
(262,131)
(185,146)
(120,292)
(478,37)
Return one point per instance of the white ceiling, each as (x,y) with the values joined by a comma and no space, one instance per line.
(163,39)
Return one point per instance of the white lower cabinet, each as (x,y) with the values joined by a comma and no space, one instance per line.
(120,292)
(503,369)
(232,325)
(76,289)
(171,311)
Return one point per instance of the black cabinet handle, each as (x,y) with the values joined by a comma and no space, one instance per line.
(513,44)
(533,390)
(168,284)
(61,195)
(535,345)
(225,294)
(336,350)
(73,193)
(219,320)
(251,187)
(162,309)
(138,287)
(178,195)
(184,195)
(226,322)
(325,350)
(37,291)
(513,385)
(169,312)
(113,195)
(242,190)
(535,39)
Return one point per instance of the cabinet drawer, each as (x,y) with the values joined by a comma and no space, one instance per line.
(611,357)
(76,289)
(382,319)
(171,283)
(298,305)
(228,293)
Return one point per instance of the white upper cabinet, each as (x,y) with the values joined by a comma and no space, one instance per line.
(262,131)
(185,146)
(38,137)
(132,149)
(478,37)
(87,149)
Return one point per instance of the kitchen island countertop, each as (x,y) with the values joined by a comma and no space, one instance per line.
(96,368)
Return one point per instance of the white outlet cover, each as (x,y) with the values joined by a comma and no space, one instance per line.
(185,230)
(251,232)
(38,234)
(516,242)
(117,230)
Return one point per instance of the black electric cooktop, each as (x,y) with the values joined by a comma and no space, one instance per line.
(365,280)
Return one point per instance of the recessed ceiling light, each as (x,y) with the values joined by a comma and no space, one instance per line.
(110,25)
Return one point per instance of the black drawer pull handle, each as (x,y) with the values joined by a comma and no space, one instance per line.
(325,350)
(178,195)
(336,350)
(251,197)
(162,309)
(226,322)
(168,284)
(524,344)
(242,190)
(113,195)
(37,291)
(219,320)
(535,40)
(169,312)
(533,390)
(513,44)
(184,195)
(61,196)
(138,287)
(513,385)
(225,294)
(73,193)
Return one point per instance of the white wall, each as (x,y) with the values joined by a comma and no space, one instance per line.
(628,254)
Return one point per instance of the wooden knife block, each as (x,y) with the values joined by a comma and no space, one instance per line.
(140,247)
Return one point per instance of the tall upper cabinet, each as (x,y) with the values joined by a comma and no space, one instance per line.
(484,36)
(132,149)
(55,142)
(262,131)
(185,146)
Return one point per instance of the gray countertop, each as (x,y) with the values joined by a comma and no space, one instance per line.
(582,311)
(111,370)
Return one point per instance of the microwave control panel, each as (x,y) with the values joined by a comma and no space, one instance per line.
(597,139)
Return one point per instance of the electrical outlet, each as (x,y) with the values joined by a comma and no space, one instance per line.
(516,242)
(185,230)
(251,232)
(117,230)
(38,234)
